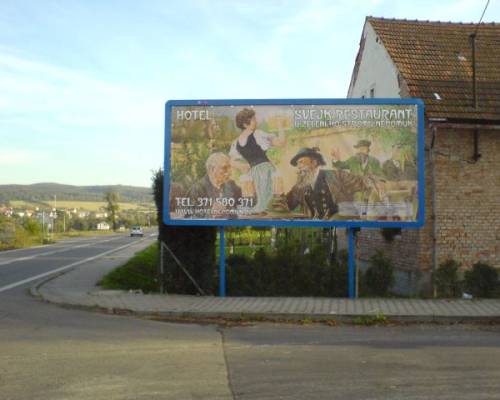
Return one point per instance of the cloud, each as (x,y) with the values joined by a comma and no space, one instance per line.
(17,157)
(70,98)
(53,116)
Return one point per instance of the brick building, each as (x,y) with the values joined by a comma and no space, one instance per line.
(460,87)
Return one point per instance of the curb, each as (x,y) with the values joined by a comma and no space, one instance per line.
(243,317)
(239,318)
(33,290)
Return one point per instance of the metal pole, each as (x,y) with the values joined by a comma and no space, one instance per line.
(351,264)
(474,80)
(162,289)
(433,212)
(200,290)
(222,263)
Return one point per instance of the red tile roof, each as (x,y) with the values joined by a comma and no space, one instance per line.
(436,57)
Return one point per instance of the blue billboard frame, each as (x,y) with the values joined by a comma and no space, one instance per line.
(419,222)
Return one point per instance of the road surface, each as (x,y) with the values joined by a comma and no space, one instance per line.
(49,352)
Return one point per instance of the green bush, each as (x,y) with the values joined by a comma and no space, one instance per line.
(379,277)
(141,272)
(482,280)
(390,233)
(288,272)
(240,279)
(446,279)
(32,226)
(340,275)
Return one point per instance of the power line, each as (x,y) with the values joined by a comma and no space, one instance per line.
(482,15)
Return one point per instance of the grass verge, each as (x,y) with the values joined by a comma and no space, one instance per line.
(73,234)
(139,273)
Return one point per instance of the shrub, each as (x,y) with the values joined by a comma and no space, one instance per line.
(482,280)
(240,277)
(446,279)
(339,275)
(380,276)
(390,233)
(32,227)
(288,272)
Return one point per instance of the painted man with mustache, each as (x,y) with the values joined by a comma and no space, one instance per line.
(318,191)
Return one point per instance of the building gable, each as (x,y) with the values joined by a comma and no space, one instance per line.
(374,74)
(435,60)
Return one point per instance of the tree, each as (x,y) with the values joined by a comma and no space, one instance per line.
(112,206)
(193,246)
(32,226)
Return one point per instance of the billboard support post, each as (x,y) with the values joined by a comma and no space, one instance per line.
(222,263)
(162,268)
(351,263)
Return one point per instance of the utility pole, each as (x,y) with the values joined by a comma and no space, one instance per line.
(54,213)
(43,226)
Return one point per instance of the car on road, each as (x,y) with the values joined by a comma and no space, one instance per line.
(136,231)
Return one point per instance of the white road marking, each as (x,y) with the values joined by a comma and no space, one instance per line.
(58,243)
(50,252)
(34,278)
(24,248)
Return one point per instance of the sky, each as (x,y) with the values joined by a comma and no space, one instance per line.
(83,84)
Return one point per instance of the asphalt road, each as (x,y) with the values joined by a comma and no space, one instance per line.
(20,268)
(49,352)
(349,362)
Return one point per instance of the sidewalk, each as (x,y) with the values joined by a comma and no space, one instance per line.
(78,288)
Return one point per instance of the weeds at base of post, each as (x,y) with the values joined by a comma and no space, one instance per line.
(378,319)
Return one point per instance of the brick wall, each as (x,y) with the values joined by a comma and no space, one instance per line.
(467,197)
(401,249)
(467,210)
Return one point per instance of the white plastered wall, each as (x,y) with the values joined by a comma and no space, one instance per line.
(376,70)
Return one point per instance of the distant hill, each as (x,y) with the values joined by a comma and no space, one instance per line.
(40,192)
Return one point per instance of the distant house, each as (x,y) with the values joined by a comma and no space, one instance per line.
(103,226)
(434,61)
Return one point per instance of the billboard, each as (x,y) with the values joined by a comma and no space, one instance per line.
(323,162)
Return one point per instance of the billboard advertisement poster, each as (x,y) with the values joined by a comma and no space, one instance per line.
(326,162)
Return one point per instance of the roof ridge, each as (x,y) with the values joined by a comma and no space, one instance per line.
(370,17)
(427,56)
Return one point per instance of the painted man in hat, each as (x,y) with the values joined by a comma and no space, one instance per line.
(400,167)
(364,165)
(318,191)
(361,163)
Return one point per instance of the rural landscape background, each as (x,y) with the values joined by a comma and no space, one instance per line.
(42,212)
